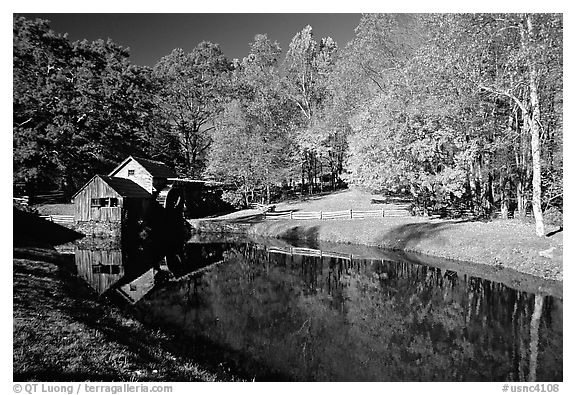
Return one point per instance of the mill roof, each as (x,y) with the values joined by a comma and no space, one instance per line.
(126,187)
(154,167)
(123,186)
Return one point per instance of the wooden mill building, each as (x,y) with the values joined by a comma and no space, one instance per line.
(106,199)
(136,186)
(132,186)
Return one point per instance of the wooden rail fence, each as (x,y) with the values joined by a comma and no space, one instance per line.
(343,214)
(308,252)
(21,200)
(59,219)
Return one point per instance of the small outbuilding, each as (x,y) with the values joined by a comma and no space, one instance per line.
(108,199)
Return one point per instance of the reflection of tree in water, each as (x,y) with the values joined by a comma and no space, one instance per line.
(335,319)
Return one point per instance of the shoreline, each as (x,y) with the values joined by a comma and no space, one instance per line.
(501,244)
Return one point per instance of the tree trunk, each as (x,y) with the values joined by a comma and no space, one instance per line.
(534,338)
(535,134)
(310,180)
(468,188)
(521,199)
(488,200)
(302,176)
(504,196)
(245,193)
(522,161)
(321,183)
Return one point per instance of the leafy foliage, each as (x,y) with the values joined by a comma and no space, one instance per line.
(444,104)
(253,135)
(192,90)
(78,107)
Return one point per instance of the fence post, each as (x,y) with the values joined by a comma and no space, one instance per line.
(382,213)
(290,214)
(321,214)
(350,213)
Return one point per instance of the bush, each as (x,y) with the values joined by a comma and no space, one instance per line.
(234,198)
(24,207)
(553,216)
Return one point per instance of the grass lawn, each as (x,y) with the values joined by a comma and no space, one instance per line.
(341,200)
(55,209)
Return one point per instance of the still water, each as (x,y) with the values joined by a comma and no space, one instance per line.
(288,313)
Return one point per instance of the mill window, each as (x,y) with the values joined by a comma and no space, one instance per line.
(104,202)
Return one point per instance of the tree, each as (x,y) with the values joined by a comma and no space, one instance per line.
(308,65)
(193,89)
(523,53)
(451,105)
(258,117)
(39,57)
(79,108)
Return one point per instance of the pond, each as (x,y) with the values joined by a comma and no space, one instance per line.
(274,311)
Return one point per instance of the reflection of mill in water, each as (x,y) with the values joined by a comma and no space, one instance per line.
(134,274)
(101,269)
(105,270)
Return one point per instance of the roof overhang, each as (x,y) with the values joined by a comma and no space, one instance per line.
(193,181)
(84,186)
(121,165)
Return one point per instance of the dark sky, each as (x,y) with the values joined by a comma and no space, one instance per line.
(151,36)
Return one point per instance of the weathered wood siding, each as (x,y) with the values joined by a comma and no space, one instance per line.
(141,176)
(99,268)
(106,214)
(94,190)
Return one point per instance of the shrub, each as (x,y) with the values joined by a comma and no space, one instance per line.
(234,198)
(553,216)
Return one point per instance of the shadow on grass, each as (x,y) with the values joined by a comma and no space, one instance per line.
(412,233)
(391,200)
(31,230)
(255,218)
(294,210)
(549,234)
(249,218)
(378,201)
